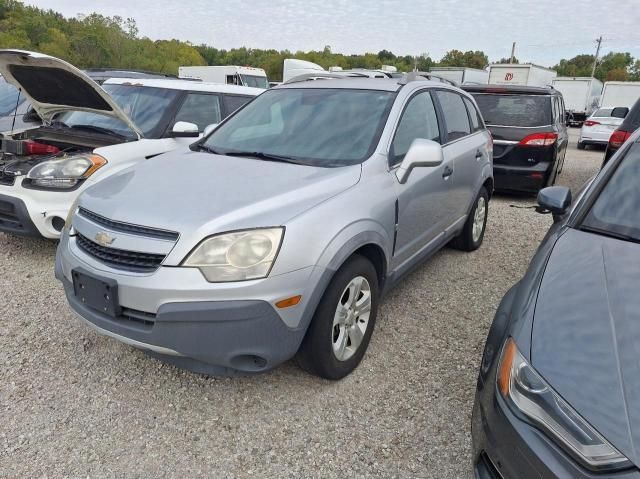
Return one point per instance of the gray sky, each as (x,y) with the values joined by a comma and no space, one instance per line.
(545,30)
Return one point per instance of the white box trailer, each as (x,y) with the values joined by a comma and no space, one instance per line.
(461,75)
(526,74)
(293,67)
(581,96)
(620,93)
(230,75)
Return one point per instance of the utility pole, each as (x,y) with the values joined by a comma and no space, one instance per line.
(595,60)
(513,52)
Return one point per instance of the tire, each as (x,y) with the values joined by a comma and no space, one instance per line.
(327,348)
(581,146)
(467,240)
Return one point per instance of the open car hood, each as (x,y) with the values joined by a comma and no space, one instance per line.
(55,86)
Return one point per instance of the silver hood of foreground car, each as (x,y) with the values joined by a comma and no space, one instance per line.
(54,86)
(199,194)
(586,333)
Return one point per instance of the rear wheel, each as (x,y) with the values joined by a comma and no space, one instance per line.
(343,323)
(473,232)
(581,146)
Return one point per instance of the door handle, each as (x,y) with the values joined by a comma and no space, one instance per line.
(479,155)
(448,171)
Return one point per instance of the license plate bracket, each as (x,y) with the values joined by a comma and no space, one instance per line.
(100,294)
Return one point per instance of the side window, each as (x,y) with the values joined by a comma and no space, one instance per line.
(201,109)
(455,114)
(554,106)
(418,120)
(233,102)
(474,115)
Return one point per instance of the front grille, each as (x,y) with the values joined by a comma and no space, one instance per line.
(118,258)
(146,319)
(8,214)
(127,227)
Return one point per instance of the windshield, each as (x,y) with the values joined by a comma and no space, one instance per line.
(8,97)
(603,112)
(145,106)
(514,110)
(320,127)
(254,81)
(616,210)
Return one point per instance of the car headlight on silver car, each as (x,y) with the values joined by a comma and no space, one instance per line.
(527,393)
(237,256)
(65,173)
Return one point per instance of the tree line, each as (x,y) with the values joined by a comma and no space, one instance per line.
(91,41)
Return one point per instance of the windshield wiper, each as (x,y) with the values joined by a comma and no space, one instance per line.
(266,156)
(610,234)
(99,129)
(203,147)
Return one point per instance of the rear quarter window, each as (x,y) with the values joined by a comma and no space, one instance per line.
(476,120)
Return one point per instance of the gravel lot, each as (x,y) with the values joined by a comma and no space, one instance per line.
(74,404)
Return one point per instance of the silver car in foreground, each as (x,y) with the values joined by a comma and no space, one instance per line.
(276,235)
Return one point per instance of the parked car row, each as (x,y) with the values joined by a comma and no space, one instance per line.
(226,229)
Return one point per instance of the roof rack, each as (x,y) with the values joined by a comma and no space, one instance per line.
(324,76)
(418,76)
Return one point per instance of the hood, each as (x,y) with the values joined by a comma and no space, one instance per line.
(199,194)
(586,333)
(55,86)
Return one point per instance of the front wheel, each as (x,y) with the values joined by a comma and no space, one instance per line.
(341,328)
(473,232)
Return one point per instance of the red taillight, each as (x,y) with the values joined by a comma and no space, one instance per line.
(539,139)
(34,148)
(618,137)
(591,123)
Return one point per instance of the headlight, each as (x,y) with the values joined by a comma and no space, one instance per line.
(237,256)
(65,173)
(526,392)
(72,211)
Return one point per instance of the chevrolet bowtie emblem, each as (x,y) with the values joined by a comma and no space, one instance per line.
(104,239)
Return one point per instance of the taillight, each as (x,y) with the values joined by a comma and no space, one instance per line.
(539,139)
(618,137)
(34,148)
(591,123)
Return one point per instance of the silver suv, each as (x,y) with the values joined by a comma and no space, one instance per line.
(276,235)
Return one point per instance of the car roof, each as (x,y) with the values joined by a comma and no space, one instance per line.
(513,89)
(177,84)
(358,83)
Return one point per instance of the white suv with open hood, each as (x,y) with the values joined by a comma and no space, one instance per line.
(91,132)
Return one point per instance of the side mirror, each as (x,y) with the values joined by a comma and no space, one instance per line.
(620,112)
(555,200)
(209,128)
(422,153)
(184,129)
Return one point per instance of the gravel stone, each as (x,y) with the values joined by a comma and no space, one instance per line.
(75,404)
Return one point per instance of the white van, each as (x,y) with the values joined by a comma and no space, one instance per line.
(229,75)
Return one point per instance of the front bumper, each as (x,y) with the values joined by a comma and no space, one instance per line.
(176,315)
(506,447)
(34,212)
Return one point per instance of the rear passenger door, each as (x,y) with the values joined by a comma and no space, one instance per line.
(422,200)
(465,147)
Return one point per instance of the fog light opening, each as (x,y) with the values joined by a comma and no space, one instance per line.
(57,223)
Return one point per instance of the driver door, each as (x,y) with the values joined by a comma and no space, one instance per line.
(422,200)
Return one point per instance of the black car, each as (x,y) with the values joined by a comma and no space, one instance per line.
(558,392)
(630,124)
(529,134)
